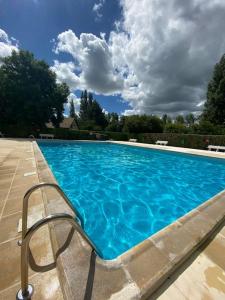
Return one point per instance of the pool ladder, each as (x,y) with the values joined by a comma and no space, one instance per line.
(26,291)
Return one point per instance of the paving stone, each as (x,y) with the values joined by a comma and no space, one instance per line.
(214,209)
(8,227)
(174,242)
(147,266)
(10,264)
(215,251)
(3,194)
(46,287)
(15,204)
(46,284)
(202,279)
(171,293)
(197,224)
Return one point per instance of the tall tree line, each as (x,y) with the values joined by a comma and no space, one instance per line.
(214,110)
(91,114)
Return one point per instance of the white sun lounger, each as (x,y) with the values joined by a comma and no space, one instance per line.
(133,140)
(216,148)
(163,143)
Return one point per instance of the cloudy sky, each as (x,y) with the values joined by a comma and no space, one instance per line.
(136,56)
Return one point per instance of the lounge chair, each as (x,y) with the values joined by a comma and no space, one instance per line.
(216,148)
(163,143)
(133,140)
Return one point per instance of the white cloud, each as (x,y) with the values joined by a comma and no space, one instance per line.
(97,9)
(160,56)
(200,104)
(66,73)
(7,44)
(92,60)
(171,48)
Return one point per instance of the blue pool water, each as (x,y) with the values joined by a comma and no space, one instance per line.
(125,194)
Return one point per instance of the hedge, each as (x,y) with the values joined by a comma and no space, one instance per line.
(59,133)
(117,136)
(16,131)
(69,134)
(196,141)
(66,134)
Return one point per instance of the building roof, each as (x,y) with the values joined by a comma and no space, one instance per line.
(66,123)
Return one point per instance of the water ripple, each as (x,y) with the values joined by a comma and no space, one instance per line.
(125,194)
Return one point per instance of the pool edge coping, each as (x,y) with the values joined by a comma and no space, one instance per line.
(211,211)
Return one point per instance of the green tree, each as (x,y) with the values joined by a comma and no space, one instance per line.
(214,110)
(190,119)
(164,119)
(169,120)
(206,127)
(98,115)
(72,109)
(179,119)
(142,124)
(113,122)
(83,106)
(60,94)
(29,94)
(121,122)
(91,114)
(90,106)
(175,128)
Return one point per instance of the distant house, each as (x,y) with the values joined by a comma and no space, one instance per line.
(69,123)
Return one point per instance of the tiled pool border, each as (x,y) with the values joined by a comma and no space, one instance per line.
(144,267)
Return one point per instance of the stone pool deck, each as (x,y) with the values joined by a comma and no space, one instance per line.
(18,172)
(79,274)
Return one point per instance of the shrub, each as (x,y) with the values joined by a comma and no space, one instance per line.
(175,128)
(59,133)
(118,136)
(195,141)
(142,123)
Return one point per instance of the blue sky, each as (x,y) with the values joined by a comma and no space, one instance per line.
(136,56)
(35,23)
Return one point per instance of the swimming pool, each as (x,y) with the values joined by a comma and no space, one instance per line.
(125,194)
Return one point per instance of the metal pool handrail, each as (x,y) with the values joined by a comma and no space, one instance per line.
(26,291)
(33,189)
